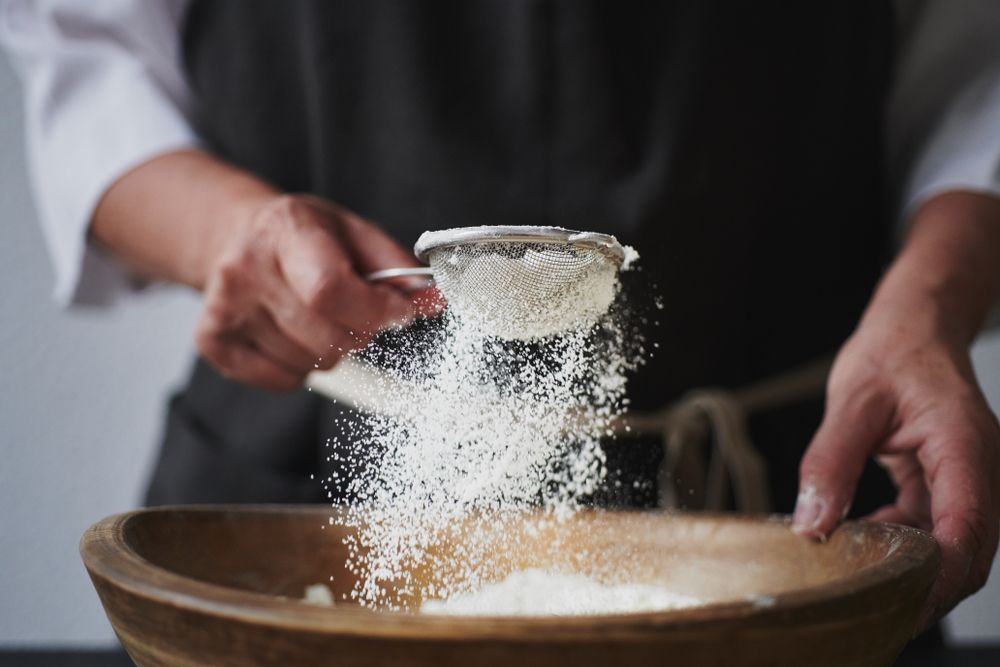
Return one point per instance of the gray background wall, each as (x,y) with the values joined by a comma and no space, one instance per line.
(81,399)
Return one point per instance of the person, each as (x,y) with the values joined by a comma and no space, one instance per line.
(272,154)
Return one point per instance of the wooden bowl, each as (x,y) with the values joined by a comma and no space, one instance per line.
(222,586)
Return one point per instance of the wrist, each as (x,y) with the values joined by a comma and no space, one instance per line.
(909,305)
(171,218)
(946,278)
(237,212)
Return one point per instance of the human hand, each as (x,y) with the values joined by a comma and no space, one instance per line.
(286,293)
(907,395)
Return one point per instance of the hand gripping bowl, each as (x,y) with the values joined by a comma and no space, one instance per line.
(222,586)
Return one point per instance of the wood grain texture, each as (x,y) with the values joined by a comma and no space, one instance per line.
(221,586)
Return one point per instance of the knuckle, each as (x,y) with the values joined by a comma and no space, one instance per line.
(283,208)
(214,351)
(973,527)
(861,401)
(977,525)
(285,313)
(323,294)
(206,337)
(234,276)
(219,316)
(231,274)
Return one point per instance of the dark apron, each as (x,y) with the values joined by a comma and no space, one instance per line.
(736,145)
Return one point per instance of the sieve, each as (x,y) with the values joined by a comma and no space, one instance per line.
(519,282)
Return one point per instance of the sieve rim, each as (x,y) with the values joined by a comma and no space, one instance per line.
(429,242)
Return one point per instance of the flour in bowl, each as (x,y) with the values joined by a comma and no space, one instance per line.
(536,592)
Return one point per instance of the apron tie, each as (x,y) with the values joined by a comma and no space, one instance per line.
(707,452)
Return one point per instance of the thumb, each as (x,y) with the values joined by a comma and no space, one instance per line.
(832,464)
(371,249)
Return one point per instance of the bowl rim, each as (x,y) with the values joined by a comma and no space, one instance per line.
(107,556)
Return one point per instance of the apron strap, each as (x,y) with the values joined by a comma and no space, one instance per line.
(716,419)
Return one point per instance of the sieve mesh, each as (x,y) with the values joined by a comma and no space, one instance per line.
(520,289)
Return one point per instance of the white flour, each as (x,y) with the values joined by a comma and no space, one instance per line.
(539,593)
(319,594)
(523,293)
(482,427)
(631,257)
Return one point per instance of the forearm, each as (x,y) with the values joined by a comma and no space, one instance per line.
(168,218)
(947,276)
(282,275)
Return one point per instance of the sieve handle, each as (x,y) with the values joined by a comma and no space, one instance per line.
(402,272)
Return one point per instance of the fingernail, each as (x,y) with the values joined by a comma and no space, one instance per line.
(808,511)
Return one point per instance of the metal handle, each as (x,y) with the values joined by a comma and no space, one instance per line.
(401,272)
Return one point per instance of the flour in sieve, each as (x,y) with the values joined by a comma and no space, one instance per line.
(527,290)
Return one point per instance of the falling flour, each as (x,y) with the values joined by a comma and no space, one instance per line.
(481,434)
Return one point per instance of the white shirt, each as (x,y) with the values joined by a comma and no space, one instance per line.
(105,92)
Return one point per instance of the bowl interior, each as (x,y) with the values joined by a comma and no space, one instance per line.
(278,552)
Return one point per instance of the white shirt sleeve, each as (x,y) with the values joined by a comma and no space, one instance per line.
(104,92)
(944,109)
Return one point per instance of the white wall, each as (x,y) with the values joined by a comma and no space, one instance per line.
(81,398)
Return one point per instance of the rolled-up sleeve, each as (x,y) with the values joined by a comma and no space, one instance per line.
(944,110)
(104,92)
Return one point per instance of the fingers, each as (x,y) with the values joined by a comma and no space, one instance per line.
(324,340)
(890,514)
(257,351)
(370,248)
(428,302)
(249,347)
(323,279)
(373,250)
(286,295)
(961,507)
(267,337)
(239,360)
(913,500)
(828,475)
